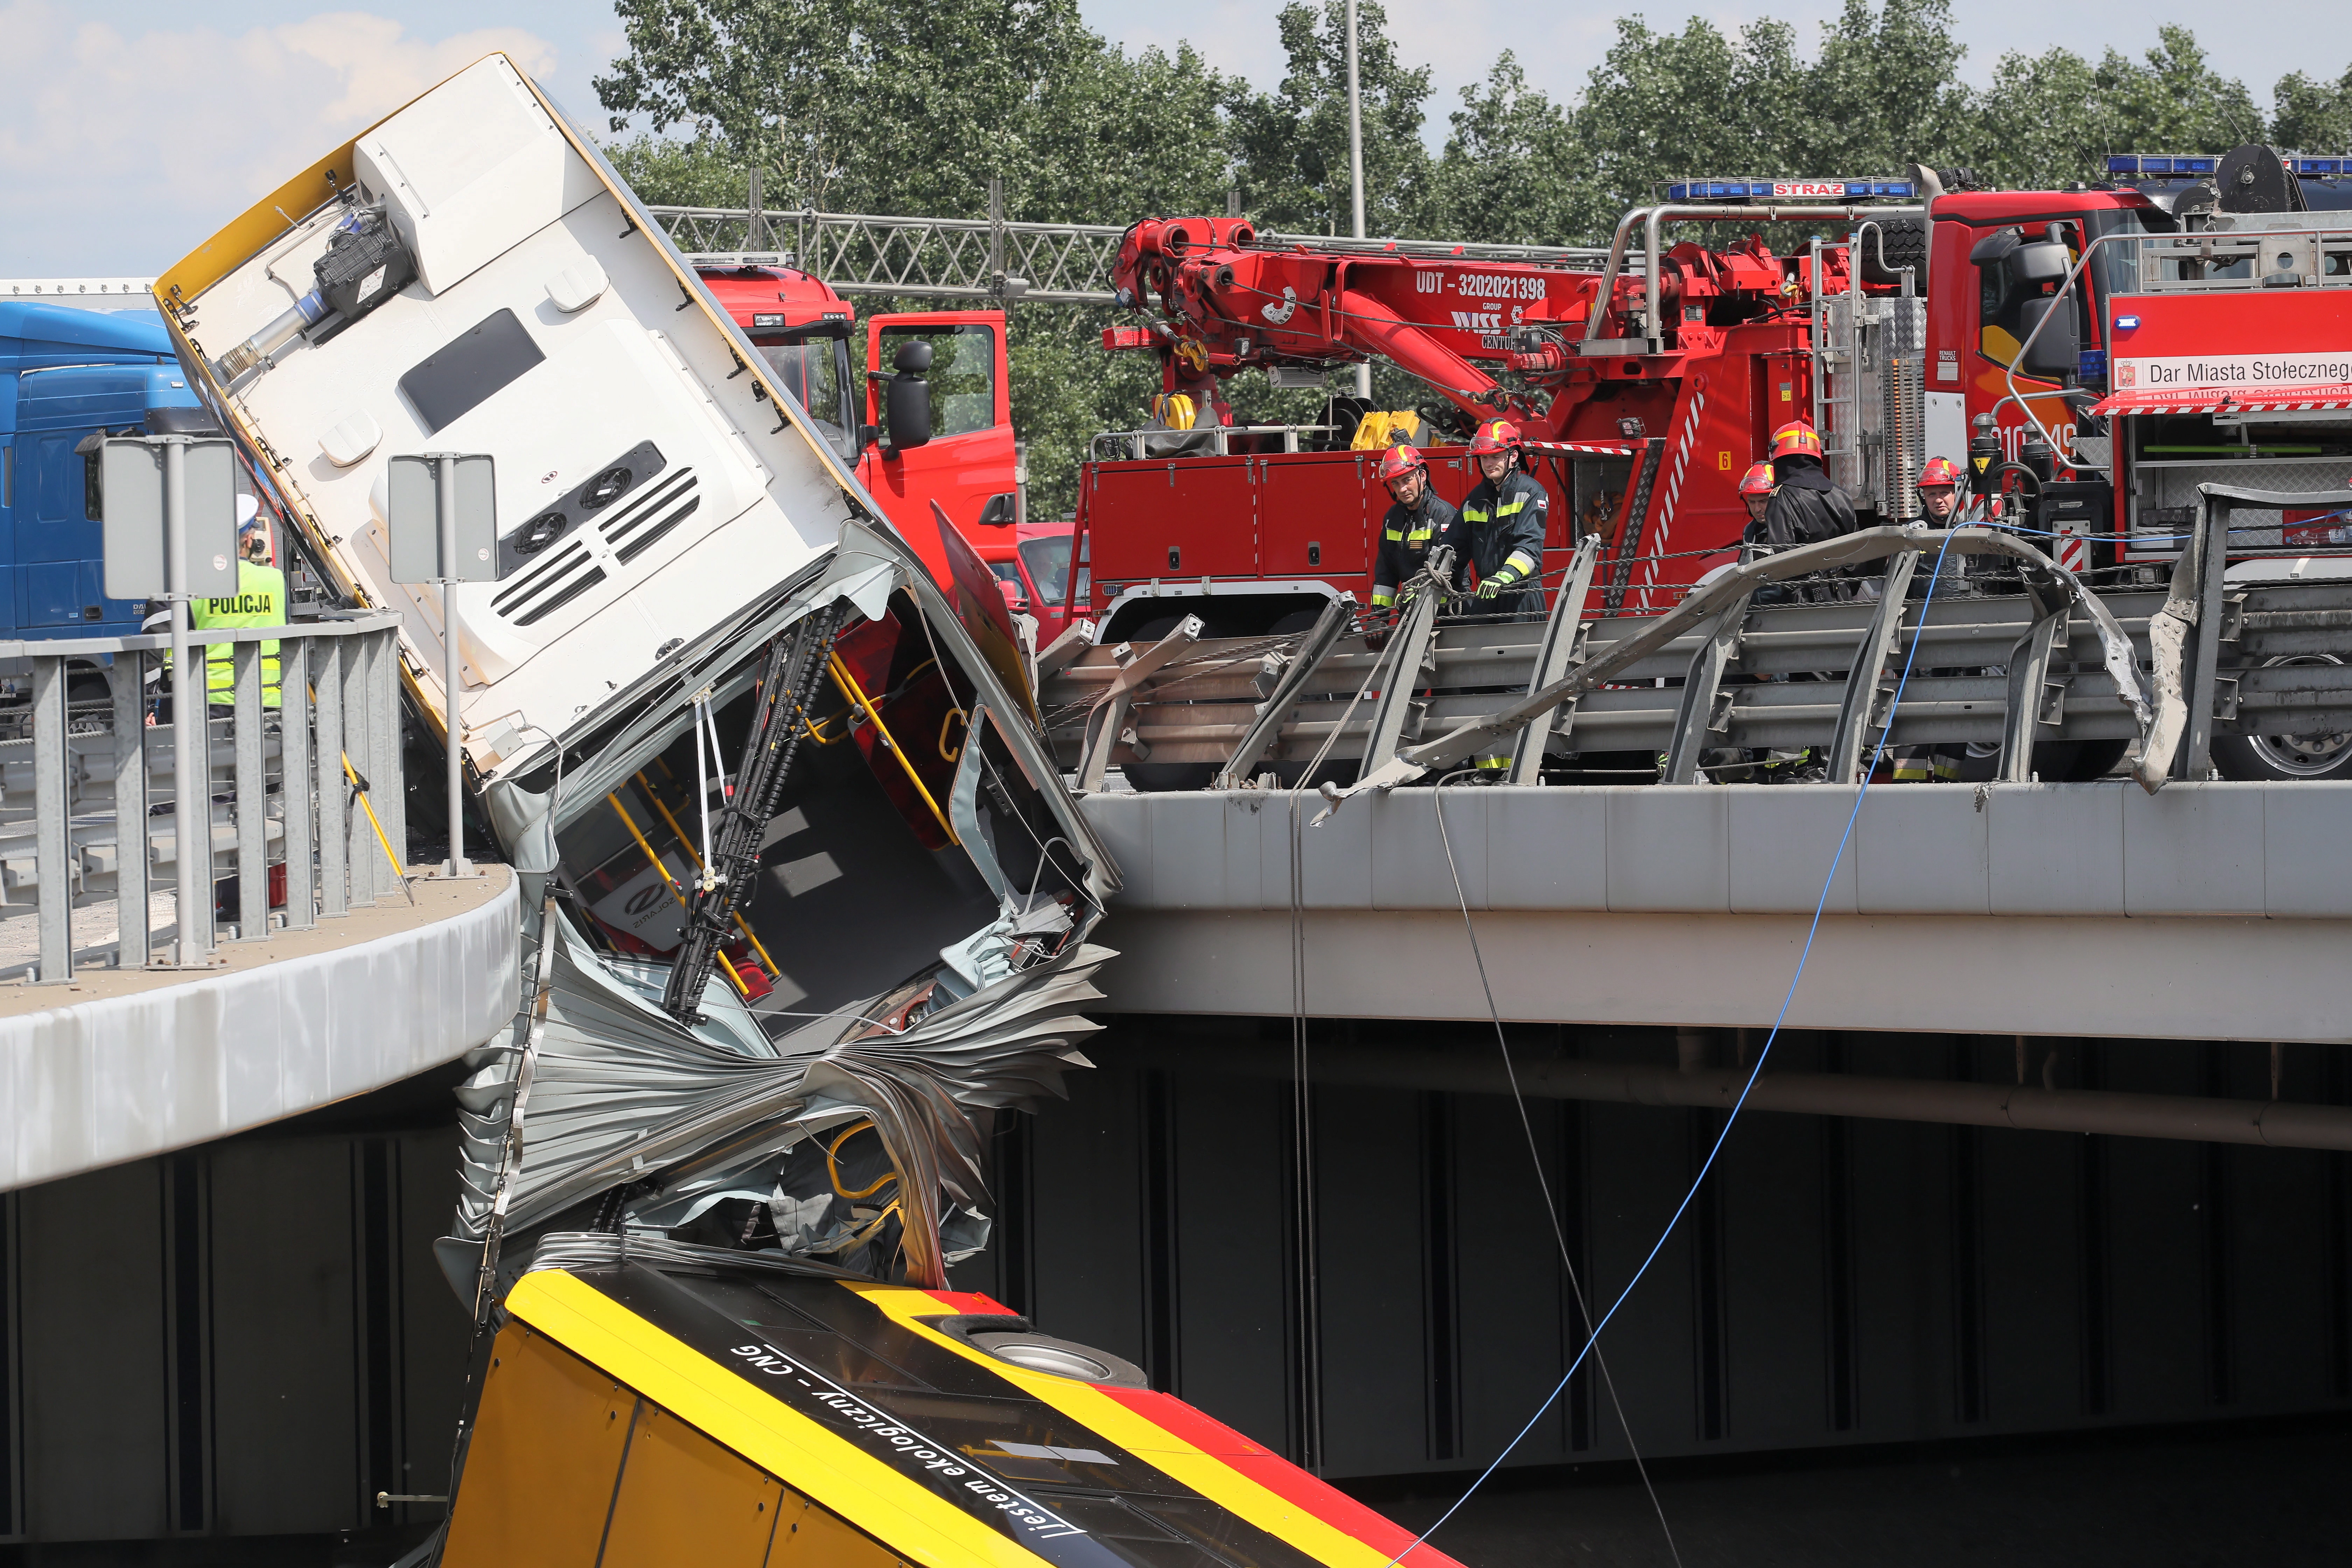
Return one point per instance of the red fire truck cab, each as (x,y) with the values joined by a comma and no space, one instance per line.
(964,461)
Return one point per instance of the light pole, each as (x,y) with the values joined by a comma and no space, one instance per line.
(1355,170)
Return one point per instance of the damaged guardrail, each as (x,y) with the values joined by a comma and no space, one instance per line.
(2051,661)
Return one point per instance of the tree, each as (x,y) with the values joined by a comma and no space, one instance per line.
(2313,117)
(1500,178)
(2053,117)
(1882,92)
(1291,144)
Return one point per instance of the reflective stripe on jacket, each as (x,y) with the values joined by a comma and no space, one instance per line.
(1406,540)
(1504,524)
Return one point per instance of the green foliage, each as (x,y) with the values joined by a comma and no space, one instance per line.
(1291,144)
(2313,117)
(2053,117)
(913,105)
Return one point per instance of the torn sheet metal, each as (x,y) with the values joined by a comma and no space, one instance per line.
(838,1121)
(1709,600)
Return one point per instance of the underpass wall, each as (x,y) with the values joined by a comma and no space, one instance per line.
(1834,1281)
(250,1339)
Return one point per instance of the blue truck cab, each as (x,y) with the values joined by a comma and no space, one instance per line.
(66,374)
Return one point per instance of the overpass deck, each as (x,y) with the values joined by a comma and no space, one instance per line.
(119,1064)
(2207,911)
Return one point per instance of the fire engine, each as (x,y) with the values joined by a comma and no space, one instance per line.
(922,411)
(1946,322)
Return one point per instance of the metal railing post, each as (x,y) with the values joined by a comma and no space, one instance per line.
(333,791)
(1563,644)
(383,722)
(51,845)
(191,760)
(1698,717)
(134,932)
(251,794)
(1868,692)
(295,795)
(358,837)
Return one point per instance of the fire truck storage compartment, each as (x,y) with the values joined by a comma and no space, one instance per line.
(2173,454)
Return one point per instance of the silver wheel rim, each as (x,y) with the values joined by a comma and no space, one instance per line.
(2303,756)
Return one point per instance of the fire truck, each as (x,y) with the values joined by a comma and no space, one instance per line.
(1939,320)
(922,409)
(2221,354)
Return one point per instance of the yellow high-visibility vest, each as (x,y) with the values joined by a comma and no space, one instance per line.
(260,601)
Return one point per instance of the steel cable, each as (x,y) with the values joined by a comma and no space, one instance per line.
(1534,1157)
(1732,1117)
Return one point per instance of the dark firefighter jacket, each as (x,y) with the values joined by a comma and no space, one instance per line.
(1505,526)
(1806,507)
(1406,540)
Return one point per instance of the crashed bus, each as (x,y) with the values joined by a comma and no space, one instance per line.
(806,903)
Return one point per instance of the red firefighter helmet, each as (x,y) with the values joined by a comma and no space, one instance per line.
(1399,460)
(1495,436)
(1796,438)
(1756,481)
(1939,471)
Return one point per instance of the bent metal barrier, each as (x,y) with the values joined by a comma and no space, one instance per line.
(2050,660)
(313,786)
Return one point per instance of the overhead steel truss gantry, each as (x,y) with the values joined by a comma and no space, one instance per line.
(992,259)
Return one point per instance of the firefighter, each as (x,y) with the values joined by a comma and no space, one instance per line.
(1503,523)
(1939,498)
(1940,492)
(259,601)
(1756,489)
(1805,508)
(1418,523)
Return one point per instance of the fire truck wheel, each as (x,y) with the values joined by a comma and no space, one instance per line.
(2322,754)
(1905,244)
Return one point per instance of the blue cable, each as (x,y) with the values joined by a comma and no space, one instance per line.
(1754,1073)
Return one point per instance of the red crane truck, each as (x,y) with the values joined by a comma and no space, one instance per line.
(1947,323)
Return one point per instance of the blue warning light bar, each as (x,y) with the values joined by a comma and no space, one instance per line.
(2165,164)
(1792,191)
(2172,166)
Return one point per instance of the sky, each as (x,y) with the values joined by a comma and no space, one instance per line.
(129,132)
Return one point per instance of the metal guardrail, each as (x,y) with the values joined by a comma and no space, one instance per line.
(997,259)
(1204,441)
(279,795)
(1759,677)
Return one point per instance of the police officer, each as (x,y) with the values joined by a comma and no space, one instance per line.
(1418,523)
(1503,519)
(259,601)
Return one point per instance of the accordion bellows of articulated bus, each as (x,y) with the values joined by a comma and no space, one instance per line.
(805,900)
